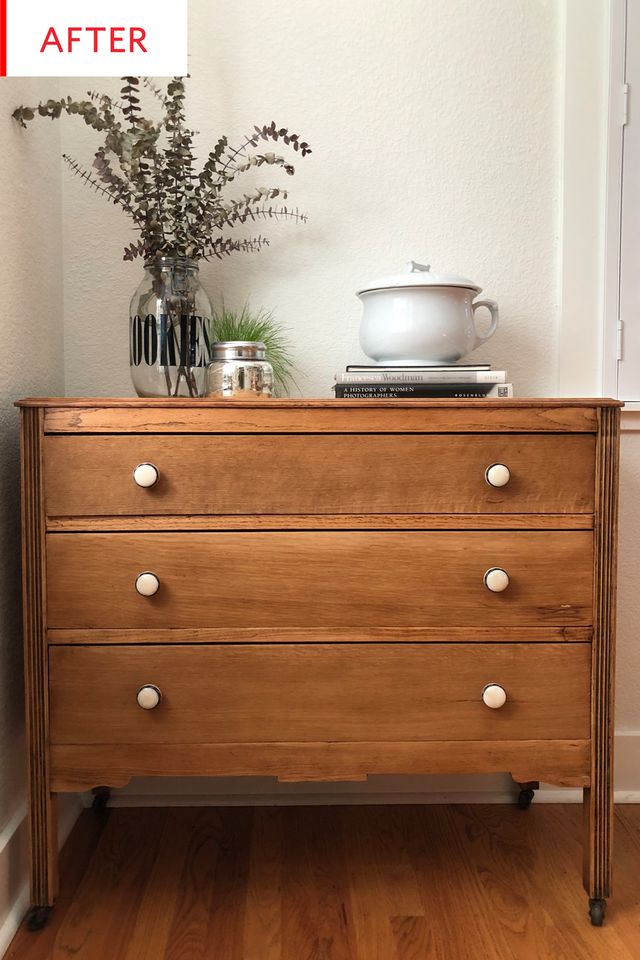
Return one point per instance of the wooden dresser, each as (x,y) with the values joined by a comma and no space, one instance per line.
(319,590)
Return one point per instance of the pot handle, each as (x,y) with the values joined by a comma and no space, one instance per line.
(492,307)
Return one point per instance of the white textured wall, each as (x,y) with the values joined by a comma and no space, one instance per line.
(31,362)
(435,133)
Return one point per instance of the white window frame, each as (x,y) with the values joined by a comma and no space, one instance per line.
(589,113)
(618,94)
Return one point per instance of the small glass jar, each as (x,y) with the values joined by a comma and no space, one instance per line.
(239,369)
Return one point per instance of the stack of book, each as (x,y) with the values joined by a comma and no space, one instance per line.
(471,380)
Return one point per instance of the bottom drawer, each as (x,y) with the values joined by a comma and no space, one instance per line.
(260,693)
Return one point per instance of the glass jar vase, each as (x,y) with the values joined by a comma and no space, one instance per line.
(169,322)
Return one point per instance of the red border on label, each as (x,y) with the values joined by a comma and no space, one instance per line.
(3,38)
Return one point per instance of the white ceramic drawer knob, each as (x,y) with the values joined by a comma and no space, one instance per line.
(147,584)
(497,475)
(494,696)
(149,696)
(146,474)
(496,579)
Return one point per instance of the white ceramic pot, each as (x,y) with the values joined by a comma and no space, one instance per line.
(421,317)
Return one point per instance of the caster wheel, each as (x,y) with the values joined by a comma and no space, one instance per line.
(37,918)
(596,911)
(524,799)
(101,797)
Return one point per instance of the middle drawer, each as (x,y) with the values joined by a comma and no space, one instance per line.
(319,579)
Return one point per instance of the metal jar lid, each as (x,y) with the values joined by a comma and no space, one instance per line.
(238,350)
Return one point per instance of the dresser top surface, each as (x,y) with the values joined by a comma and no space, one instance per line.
(317,404)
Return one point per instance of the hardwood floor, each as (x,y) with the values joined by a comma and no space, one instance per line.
(336,883)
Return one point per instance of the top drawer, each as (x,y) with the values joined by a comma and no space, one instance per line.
(318,474)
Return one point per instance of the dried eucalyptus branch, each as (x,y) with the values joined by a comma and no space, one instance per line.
(148,169)
(131,108)
(156,91)
(265,213)
(224,246)
(79,171)
(105,102)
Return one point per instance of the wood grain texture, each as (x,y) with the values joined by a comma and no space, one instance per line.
(345,521)
(42,803)
(103,912)
(598,805)
(342,883)
(320,692)
(160,900)
(316,880)
(320,579)
(263,914)
(322,416)
(315,403)
(231,475)
(562,762)
(188,932)
(475,634)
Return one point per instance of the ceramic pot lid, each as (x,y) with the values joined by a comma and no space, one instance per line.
(420,275)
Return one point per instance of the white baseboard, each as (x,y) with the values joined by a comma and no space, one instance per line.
(259,791)
(305,799)
(14,864)
(546,794)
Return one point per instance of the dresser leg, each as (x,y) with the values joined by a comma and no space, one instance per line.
(598,821)
(43,828)
(598,798)
(43,805)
